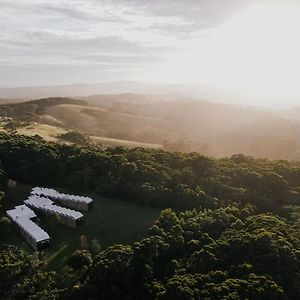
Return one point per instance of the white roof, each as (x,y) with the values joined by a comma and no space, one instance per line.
(51,193)
(47,205)
(21,215)
(21,211)
(36,232)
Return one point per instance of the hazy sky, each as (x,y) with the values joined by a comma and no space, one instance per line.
(246,45)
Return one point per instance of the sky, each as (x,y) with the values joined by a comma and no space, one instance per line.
(245,45)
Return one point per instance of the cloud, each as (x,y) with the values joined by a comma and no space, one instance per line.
(119,33)
(202,13)
(40,47)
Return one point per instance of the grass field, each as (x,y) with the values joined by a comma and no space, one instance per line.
(109,222)
(50,133)
(128,144)
(100,122)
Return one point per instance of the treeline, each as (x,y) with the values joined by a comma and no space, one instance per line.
(153,177)
(233,232)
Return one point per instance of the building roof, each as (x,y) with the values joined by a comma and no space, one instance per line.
(47,205)
(21,215)
(53,194)
(36,232)
(21,211)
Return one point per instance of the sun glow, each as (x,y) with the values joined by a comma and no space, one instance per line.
(256,53)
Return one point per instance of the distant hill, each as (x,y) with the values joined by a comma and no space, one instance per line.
(110,99)
(291,114)
(11,100)
(223,129)
(51,117)
(130,88)
(179,125)
(34,108)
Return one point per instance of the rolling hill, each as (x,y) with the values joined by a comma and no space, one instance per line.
(185,125)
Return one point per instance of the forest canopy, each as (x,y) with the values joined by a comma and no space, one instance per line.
(228,229)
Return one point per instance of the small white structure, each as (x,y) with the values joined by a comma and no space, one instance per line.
(64,215)
(72,201)
(21,215)
(41,200)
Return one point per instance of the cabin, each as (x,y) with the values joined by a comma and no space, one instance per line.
(22,216)
(64,215)
(67,200)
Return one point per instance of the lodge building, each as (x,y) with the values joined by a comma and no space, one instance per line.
(42,200)
(67,200)
(64,215)
(22,216)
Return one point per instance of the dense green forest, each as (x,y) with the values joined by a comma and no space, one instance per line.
(228,229)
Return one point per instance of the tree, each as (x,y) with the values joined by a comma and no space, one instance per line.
(80,259)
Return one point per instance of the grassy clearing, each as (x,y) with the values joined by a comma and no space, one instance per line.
(50,133)
(128,144)
(97,121)
(47,132)
(109,222)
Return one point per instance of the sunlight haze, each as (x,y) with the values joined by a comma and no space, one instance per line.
(256,53)
(248,47)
